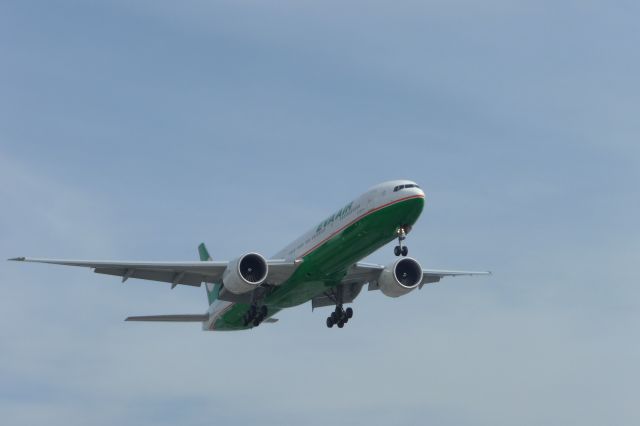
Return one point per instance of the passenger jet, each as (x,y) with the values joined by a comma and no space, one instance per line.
(322,267)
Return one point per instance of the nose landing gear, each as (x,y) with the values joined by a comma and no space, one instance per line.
(401,249)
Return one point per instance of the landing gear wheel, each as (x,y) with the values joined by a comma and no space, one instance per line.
(264,310)
(401,249)
(340,316)
(256,322)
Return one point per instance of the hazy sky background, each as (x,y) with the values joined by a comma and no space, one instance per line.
(137,129)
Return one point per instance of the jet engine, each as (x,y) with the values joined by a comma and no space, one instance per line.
(245,273)
(400,277)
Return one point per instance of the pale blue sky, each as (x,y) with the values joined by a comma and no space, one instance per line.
(137,129)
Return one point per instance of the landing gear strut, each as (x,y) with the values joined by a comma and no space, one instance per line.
(401,249)
(339,316)
(255,315)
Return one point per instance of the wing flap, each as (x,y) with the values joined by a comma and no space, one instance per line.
(432,276)
(173,277)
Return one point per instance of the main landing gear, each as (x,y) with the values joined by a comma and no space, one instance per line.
(401,249)
(339,317)
(255,315)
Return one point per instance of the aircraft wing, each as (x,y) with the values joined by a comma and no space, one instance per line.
(368,273)
(183,273)
(430,276)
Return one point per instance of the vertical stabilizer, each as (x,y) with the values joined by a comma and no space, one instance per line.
(212,289)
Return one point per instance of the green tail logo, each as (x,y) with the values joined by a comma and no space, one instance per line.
(212,289)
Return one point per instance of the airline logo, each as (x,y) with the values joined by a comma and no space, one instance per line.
(339,215)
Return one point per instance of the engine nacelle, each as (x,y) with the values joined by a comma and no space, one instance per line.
(400,277)
(245,273)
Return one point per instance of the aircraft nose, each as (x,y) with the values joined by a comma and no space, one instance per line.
(417,190)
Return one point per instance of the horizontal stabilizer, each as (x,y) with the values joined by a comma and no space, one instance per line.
(170,318)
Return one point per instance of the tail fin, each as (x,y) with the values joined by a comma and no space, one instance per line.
(212,289)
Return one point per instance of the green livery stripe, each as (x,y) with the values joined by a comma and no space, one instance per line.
(211,289)
(203,252)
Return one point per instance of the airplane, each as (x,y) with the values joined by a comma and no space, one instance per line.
(322,267)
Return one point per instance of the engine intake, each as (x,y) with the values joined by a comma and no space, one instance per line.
(245,273)
(400,277)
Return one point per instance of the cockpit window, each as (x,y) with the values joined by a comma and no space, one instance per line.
(410,185)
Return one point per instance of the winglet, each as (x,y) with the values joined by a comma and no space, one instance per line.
(18,259)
